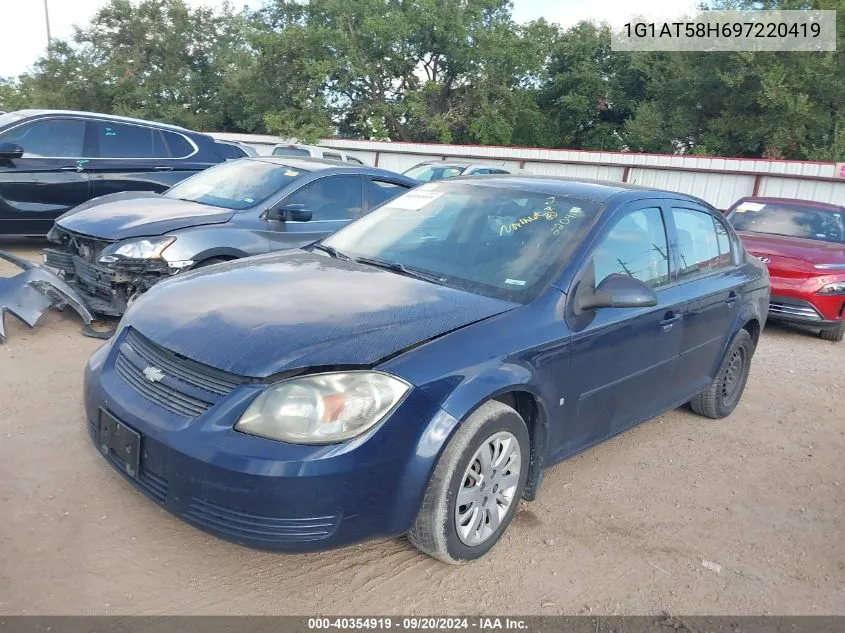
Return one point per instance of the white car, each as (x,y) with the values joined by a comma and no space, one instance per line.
(314,151)
(440,169)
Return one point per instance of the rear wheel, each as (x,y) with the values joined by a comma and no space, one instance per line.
(476,486)
(834,334)
(723,395)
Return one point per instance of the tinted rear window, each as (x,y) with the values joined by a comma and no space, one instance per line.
(290,151)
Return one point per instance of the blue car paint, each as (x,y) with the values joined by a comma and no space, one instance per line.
(586,377)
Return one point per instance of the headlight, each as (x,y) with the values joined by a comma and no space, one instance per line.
(836,288)
(323,408)
(147,248)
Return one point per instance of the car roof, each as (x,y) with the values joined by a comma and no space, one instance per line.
(306,164)
(98,115)
(824,206)
(458,163)
(595,190)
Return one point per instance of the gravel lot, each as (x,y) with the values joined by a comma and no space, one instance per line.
(681,514)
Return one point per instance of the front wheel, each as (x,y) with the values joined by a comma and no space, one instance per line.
(476,486)
(721,397)
(834,334)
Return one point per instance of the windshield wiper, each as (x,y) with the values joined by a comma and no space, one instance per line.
(331,250)
(401,268)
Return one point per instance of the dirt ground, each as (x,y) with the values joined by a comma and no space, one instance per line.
(681,514)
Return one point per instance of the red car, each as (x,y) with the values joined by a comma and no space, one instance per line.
(803,244)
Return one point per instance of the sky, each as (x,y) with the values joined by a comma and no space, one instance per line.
(25,38)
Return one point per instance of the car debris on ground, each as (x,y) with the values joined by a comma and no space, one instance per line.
(31,292)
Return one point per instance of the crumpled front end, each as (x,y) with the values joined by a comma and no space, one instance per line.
(106,288)
(30,293)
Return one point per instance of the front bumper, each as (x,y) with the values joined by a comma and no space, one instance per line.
(105,290)
(267,494)
(819,312)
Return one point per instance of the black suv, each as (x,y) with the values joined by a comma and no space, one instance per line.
(52,161)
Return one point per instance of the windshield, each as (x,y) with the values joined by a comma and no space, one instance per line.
(427,173)
(792,220)
(492,240)
(238,184)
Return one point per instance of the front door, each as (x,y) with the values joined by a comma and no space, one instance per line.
(334,201)
(623,359)
(49,179)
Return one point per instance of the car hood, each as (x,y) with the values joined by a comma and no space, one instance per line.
(135,214)
(794,253)
(263,315)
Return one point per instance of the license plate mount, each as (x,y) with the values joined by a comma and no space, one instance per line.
(115,437)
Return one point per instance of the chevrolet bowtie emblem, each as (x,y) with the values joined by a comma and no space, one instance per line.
(153,374)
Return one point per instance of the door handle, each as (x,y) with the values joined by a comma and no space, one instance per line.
(731,300)
(71,168)
(163,168)
(669,319)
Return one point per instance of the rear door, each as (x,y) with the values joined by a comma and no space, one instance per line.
(334,201)
(50,178)
(623,359)
(133,157)
(707,270)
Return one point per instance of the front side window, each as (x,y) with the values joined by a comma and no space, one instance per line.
(636,246)
(116,140)
(701,249)
(237,184)
(496,241)
(791,220)
(330,198)
(49,138)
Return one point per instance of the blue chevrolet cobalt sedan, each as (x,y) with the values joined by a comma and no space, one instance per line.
(416,372)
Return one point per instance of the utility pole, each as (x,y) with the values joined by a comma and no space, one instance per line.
(47,20)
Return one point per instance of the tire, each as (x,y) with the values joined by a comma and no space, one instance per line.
(834,334)
(435,530)
(724,393)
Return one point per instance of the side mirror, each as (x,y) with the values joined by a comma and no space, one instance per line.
(10,150)
(617,291)
(291,212)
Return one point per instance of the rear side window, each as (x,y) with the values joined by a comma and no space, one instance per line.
(229,151)
(352,159)
(635,246)
(49,138)
(703,243)
(380,191)
(178,145)
(332,156)
(116,140)
(290,151)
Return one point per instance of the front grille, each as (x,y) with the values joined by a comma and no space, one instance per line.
(254,527)
(188,388)
(795,308)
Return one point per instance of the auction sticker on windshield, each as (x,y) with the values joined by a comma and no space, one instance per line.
(415,200)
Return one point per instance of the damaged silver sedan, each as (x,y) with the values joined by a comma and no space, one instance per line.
(114,248)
